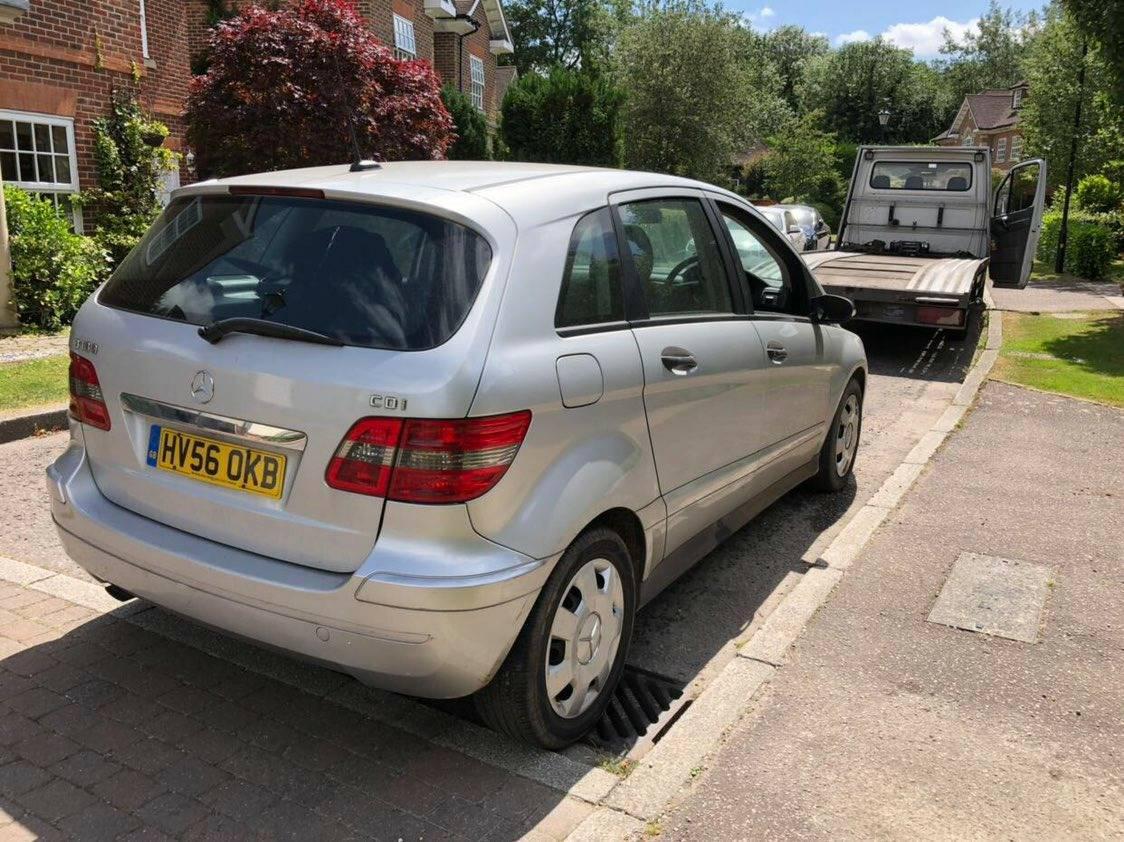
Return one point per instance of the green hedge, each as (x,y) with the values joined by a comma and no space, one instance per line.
(1090,244)
(471,127)
(53,269)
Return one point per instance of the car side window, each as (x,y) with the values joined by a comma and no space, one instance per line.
(770,286)
(676,257)
(591,282)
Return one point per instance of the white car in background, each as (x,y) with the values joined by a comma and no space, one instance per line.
(785,221)
(817,233)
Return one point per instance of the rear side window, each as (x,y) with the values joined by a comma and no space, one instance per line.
(367,275)
(921,175)
(591,281)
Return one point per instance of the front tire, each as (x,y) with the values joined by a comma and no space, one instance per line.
(561,673)
(841,445)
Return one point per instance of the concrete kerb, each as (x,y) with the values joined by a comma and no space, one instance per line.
(24,424)
(623,805)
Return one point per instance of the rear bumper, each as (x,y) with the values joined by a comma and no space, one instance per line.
(439,637)
(919,310)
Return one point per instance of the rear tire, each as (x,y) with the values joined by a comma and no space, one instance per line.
(595,576)
(841,444)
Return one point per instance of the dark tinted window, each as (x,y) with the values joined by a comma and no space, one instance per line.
(368,275)
(591,282)
(921,175)
(675,254)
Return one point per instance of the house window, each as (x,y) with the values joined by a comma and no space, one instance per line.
(967,140)
(144,31)
(476,74)
(1016,149)
(1001,150)
(405,47)
(37,154)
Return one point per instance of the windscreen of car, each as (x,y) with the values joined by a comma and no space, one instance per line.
(364,274)
(804,216)
(955,176)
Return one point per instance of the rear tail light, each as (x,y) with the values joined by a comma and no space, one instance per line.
(427,461)
(86,401)
(944,316)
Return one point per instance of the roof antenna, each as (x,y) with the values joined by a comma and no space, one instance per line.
(358,163)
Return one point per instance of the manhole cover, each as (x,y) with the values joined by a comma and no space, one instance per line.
(992,595)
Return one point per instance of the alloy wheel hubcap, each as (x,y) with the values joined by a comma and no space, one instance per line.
(585,636)
(847,435)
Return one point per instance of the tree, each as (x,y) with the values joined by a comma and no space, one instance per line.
(789,48)
(550,33)
(284,86)
(566,117)
(470,126)
(989,56)
(1102,21)
(692,99)
(852,84)
(1051,64)
(130,160)
(801,164)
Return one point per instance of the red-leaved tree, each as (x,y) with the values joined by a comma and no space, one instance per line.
(282,87)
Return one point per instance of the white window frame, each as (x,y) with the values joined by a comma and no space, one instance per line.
(1001,150)
(144,31)
(47,189)
(476,81)
(1016,148)
(405,43)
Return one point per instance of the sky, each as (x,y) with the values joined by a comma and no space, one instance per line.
(915,25)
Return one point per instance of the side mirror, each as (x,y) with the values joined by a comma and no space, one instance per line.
(831,309)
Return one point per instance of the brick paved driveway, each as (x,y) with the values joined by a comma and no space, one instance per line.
(109,730)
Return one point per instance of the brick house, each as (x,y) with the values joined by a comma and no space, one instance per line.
(990,118)
(60,60)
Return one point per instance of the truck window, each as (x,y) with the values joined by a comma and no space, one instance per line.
(949,176)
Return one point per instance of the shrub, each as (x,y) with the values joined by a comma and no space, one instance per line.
(566,117)
(1090,244)
(130,160)
(1097,194)
(471,127)
(285,88)
(53,269)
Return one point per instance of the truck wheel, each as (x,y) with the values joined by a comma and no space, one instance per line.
(841,445)
(560,675)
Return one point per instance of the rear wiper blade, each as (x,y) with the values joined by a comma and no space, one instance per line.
(215,331)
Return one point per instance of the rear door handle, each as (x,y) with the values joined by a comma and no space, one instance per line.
(777,352)
(678,361)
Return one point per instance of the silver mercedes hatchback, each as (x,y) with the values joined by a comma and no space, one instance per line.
(447,426)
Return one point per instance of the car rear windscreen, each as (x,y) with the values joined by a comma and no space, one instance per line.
(921,175)
(366,275)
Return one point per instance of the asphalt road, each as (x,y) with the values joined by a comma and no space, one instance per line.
(691,626)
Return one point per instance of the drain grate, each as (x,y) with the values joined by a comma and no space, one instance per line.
(642,707)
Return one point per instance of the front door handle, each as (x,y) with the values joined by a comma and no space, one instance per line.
(678,361)
(777,352)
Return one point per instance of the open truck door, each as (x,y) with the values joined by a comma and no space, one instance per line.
(1016,223)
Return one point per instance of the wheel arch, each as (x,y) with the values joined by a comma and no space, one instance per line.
(626,523)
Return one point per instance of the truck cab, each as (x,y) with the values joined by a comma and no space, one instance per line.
(922,228)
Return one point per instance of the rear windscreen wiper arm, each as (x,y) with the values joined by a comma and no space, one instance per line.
(217,330)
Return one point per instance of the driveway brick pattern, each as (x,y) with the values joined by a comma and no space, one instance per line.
(109,730)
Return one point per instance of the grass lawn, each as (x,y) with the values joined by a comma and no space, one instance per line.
(33,383)
(1078,354)
(1044,273)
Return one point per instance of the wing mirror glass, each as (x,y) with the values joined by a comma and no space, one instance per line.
(831,309)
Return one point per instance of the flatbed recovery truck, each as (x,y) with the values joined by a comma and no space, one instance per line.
(922,228)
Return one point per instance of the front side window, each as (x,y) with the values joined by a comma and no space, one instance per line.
(769,285)
(1018,190)
(37,155)
(367,275)
(476,74)
(405,47)
(675,256)
(591,281)
(954,176)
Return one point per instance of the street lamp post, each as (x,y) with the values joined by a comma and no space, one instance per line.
(883,121)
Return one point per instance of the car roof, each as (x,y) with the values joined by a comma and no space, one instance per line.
(529,192)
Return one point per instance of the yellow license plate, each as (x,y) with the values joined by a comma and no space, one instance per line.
(219,463)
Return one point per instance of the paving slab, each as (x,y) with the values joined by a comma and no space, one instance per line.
(1060,297)
(885,725)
